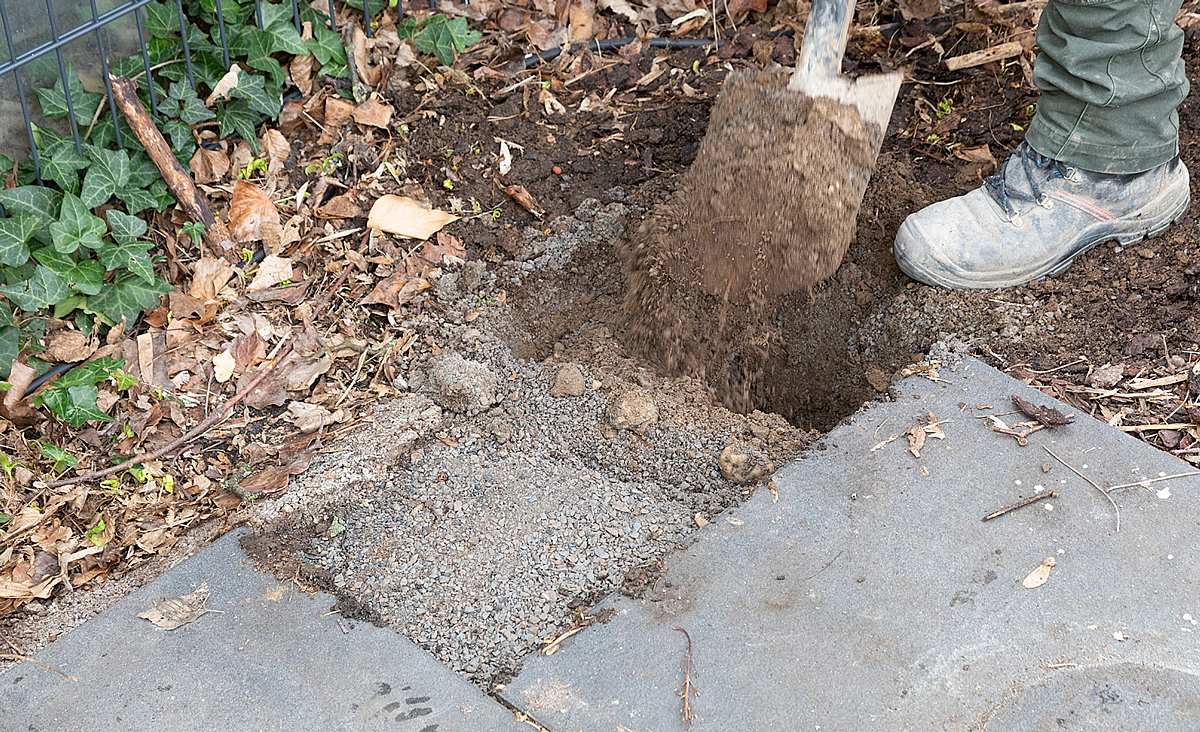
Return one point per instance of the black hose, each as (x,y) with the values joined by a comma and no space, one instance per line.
(533,59)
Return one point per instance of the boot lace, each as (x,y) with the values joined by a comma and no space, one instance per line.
(1038,170)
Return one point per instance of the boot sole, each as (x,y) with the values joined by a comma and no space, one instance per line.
(1140,235)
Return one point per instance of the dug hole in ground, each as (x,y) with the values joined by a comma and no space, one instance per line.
(535,463)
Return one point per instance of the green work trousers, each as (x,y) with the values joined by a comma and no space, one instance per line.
(1111,76)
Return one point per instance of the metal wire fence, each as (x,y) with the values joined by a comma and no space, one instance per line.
(96,24)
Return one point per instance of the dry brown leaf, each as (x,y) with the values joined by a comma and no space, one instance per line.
(223,366)
(738,8)
(397,290)
(362,58)
(309,418)
(448,249)
(305,372)
(277,148)
(301,71)
(633,15)
(524,198)
(224,86)
(338,113)
(916,439)
(581,20)
(20,376)
(918,9)
(340,207)
(271,271)
(67,346)
(404,216)
(170,613)
(1038,576)
(209,166)
(1048,416)
(252,214)
(374,113)
(209,277)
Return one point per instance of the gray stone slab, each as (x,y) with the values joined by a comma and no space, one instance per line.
(871,596)
(268,660)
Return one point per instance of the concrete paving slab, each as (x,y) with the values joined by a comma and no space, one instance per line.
(267,658)
(871,595)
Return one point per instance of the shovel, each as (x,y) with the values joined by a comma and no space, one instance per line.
(769,205)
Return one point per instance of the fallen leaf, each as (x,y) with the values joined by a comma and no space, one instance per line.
(271,271)
(980,155)
(340,207)
(374,113)
(338,113)
(209,166)
(1048,416)
(1038,577)
(506,159)
(304,374)
(404,216)
(170,613)
(447,249)
(362,60)
(309,418)
(916,439)
(623,8)
(397,290)
(701,522)
(20,376)
(918,9)
(252,214)
(209,277)
(524,198)
(67,346)
(277,148)
(223,366)
(738,8)
(581,20)
(300,69)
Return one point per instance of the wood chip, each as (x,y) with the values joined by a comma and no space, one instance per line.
(998,52)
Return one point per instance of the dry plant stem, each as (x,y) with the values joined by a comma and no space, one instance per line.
(177,179)
(1091,482)
(1019,504)
(1148,481)
(687,692)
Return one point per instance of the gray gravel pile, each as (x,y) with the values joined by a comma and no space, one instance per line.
(511,493)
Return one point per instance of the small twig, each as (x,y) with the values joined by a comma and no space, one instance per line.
(688,691)
(1019,504)
(1148,481)
(1047,371)
(825,566)
(1091,482)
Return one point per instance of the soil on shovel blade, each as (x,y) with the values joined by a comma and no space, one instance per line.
(767,208)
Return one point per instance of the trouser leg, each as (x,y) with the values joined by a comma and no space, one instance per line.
(1111,75)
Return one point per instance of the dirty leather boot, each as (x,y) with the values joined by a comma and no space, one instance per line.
(1032,218)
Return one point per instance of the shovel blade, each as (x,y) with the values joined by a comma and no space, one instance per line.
(873,96)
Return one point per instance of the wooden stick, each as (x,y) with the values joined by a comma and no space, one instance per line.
(688,690)
(1019,504)
(998,52)
(1091,482)
(178,179)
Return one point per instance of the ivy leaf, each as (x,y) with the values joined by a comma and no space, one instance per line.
(75,405)
(192,110)
(108,174)
(76,226)
(54,102)
(125,228)
(36,201)
(253,90)
(15,234)
(237,117)
(137,200)
(445,38)
(163,198)
(61,163)
(177,133)
(44,288)
(142,171)
(326,46)
(162,20)
(127,297)
(10,347)
(62,459)
(142,266)
(85,275)
(117,256)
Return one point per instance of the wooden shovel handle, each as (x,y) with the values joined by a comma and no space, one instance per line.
(824,39)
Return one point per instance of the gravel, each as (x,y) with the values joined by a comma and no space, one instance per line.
(507,495)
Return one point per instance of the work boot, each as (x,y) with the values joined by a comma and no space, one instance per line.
(1032,218)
